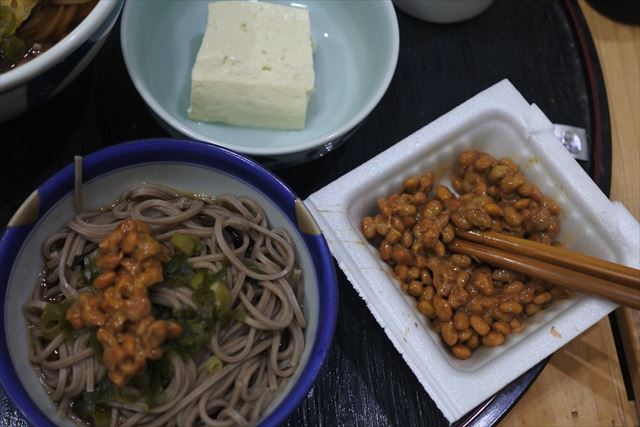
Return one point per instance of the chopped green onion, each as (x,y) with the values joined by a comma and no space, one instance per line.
(222,295)
(213,365)
(90,269)
(183,243)
(92,407)
(188,244)
(195,335)
(212,298)
(178,271)
(101,417)
(218,275)
(147,387)
(239,315)
(197,280)
(54,321)
(87,407)
(51,320)
(13,48)
(197,242)
(8,21)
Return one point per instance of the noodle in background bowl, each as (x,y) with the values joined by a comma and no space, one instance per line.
(187,166)
(41,78)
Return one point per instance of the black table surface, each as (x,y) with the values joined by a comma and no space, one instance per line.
(365,381)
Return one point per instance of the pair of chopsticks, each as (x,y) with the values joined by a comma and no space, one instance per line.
(553,264)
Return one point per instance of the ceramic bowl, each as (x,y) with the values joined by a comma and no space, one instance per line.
(443,11)
(200,168)
(356,50)
(41,78)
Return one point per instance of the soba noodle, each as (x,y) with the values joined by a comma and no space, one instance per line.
(259,350)
(51,20)
(48,23)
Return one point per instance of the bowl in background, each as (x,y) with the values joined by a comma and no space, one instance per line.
(356,51)
(185,165)
(42,77)
(443,11)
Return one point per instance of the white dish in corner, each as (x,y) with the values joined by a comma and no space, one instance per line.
(501,122)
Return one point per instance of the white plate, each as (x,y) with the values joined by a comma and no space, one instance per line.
(501,122)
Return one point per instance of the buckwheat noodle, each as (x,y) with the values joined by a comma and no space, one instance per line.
(47,23)
(258,353)
(51,20)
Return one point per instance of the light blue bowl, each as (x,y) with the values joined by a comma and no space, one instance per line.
(188,165)
(43,77)
(356,51)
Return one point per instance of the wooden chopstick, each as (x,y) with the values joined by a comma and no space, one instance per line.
(551,273)
(557,255)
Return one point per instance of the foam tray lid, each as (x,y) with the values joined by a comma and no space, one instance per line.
(499,121)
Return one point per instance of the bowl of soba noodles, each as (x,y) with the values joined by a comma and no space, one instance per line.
(45,44)
(163,283)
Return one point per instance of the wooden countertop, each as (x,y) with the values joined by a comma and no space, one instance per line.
(582,385)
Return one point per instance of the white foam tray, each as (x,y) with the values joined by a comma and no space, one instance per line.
(499,121)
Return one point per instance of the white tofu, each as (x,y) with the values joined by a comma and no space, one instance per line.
(254,67)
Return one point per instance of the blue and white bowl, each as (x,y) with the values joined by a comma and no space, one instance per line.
(43,77)
(188,166)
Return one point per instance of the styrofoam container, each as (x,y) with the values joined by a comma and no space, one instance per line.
(501,122)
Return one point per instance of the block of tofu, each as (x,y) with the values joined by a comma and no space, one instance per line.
(254,67)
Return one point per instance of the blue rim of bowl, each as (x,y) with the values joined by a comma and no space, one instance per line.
(178,151)
(160,112)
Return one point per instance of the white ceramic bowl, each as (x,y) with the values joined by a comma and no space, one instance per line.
(43,77)
(187,165)
(356,51)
